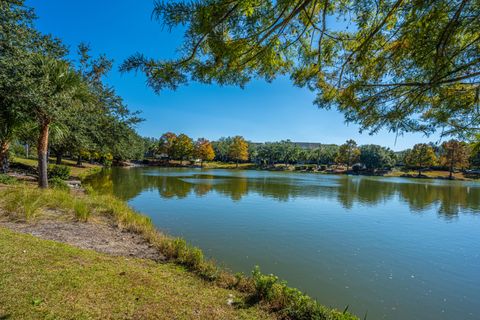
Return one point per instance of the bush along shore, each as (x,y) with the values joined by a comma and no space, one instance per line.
(27,203)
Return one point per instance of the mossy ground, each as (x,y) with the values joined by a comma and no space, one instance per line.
(42,279)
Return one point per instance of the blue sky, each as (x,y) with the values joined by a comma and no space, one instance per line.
(260,112)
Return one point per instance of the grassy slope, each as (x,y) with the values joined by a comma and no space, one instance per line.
(77,172)
(25,202)
(45,279)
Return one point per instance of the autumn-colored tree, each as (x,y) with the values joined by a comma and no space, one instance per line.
(422,155)
(238,149)
(165,144)
(204,150)
(348,153)
(455,154)
(182,147)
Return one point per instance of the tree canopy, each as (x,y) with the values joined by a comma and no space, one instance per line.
(395,64)
(41,89)
(204,150)
(455,154)
(376,157)
(238,149)
(421,156)
(348,153)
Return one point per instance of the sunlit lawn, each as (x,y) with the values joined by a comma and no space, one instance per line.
(42,279)
(76,170)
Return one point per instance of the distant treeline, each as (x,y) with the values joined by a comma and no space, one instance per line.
(449,155)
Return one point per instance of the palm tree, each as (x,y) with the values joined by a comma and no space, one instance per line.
(58,88)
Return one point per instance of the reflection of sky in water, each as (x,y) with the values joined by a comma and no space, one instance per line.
(395,247)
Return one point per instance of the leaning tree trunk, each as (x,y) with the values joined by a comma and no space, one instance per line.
(4,146)
(43,155)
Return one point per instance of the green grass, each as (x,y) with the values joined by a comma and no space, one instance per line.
(42,279)
(5,179)
(27,202)
(76,172)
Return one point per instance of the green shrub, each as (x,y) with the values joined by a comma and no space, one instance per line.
(59,171)
(4,179)
(264,285)
(290,303)
(58,183)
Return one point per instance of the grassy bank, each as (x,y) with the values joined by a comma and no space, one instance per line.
(261,291)
(42,279)
(78,172)
(430,174)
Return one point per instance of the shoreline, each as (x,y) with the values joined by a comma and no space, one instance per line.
(62,212)
(397,173)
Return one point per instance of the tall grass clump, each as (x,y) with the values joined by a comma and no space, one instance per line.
(81,209)
(26,202)
(22,202)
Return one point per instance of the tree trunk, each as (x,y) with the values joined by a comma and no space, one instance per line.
(43,155)
(59,158)
(452,165)
(236,165)
(4,146)
(79,160)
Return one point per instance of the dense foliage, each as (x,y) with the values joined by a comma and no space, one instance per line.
(449,155)
(421,156)
(56,104)
(395,64)
(454,154)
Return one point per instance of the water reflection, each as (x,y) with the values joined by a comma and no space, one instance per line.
(448,198)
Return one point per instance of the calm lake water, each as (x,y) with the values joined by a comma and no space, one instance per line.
(391,248)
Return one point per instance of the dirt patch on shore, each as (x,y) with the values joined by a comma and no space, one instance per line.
(100,237)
